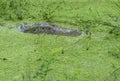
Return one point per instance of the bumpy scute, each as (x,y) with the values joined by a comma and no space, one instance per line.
(47,28)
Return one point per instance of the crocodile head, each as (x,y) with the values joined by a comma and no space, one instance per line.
(36,28)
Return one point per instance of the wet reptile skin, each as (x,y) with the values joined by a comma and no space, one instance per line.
(47,28)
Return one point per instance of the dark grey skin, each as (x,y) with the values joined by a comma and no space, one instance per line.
(47,28)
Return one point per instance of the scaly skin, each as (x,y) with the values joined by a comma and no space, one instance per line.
(47,29)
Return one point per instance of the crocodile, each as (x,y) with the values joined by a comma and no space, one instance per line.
(47,28)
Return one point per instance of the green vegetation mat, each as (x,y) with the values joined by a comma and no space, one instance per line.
(32,57)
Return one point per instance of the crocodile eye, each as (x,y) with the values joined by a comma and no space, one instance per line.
(43,28)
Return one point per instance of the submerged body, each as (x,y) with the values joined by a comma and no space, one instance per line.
(47,29)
